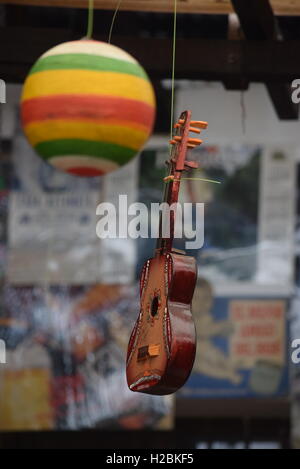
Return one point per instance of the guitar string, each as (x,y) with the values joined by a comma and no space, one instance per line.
(168,166)
(113,21)
(90,23)
(173,67)
(173,93)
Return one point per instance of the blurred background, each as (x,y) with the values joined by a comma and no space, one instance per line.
(68,300)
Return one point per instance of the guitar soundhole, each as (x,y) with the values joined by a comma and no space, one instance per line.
(154,306)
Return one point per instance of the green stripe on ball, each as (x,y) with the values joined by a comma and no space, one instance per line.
(87,62)
(106,150)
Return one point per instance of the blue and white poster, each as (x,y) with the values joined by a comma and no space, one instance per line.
(241,348)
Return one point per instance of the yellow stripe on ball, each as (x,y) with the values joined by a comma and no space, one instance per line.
(38,132)
(86,82)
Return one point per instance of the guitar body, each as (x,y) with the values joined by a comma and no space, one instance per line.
(162,345)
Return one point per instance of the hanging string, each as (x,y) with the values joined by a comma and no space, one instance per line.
(90,25)
(173,67)
(113,21)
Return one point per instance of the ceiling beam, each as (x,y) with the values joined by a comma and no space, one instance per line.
(256,19)
(215,60)
(258,22)
(280,7)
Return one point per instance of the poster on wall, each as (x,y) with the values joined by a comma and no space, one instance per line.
(295,330)
(248,214)
(68,304)
(241,346)
(52,224)
(65,360)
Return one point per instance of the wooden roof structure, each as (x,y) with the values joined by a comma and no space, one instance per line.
(265,51)
(214,7)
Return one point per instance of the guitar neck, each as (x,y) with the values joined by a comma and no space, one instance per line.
(170,198)
(181,142)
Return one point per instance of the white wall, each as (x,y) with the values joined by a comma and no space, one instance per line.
(222,109)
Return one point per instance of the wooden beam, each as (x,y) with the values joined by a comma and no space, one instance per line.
(280,7)
(256,19)
(235,34)
(260,61)
(258,22)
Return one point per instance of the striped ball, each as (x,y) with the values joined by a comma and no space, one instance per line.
(87,107)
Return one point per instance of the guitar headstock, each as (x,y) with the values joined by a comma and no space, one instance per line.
(182,141)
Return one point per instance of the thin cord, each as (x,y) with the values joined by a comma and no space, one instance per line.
(113,20)
(90,25)
(173,65)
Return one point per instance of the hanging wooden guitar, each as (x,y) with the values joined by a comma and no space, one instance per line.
(162,346)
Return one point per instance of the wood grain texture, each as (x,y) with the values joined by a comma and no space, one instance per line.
(280,7)
(165,323)
(257,61)
(166,372)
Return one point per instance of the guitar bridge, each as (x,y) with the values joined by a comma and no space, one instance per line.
(148,351)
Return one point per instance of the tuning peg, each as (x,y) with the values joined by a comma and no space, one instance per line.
(168,178)
(179,124)
(189,145)
(172,142)
(199,124)
(194,141)
(195,130)
(177,138)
